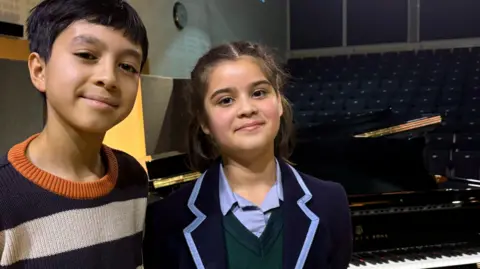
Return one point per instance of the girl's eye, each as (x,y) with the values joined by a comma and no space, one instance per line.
(259,93)
(225,101)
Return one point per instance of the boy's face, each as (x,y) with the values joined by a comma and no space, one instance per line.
(91,78)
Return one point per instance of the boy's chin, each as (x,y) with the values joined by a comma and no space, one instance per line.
(95,127)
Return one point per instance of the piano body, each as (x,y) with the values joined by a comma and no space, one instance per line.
(416,229)
(401,216)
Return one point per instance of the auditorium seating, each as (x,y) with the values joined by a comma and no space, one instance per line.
(410,84)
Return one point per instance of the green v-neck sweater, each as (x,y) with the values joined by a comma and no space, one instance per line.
(247,251)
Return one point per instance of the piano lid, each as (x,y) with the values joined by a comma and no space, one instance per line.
(164,112)
(375,123)
(364,163)
(367,165)
(361,165)
(168,169)
(414,125)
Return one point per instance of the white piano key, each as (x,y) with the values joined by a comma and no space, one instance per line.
(424,264)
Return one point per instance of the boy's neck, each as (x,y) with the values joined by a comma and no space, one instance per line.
(67,153)
(252,179)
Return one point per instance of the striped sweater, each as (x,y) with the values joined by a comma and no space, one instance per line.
(50,222)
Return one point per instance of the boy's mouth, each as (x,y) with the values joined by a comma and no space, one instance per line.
(101,100)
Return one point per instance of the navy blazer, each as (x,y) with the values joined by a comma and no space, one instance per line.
(184,231)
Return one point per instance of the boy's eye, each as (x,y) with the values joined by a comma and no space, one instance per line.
(129,68)
(86,56)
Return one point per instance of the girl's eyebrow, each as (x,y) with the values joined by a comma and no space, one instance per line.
(220,91)
(229,90)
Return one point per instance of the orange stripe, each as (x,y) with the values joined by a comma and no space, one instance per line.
(76,190)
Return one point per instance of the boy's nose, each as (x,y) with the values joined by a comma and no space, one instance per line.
(106,78)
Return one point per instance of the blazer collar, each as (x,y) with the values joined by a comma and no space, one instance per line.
(205,235)
(300,223)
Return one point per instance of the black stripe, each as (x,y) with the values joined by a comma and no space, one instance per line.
(3,160)
(118,254)
(21,200)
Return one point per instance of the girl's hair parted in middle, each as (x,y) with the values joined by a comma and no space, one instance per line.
(201,148)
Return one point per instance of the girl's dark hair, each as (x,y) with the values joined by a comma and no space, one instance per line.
(200,148)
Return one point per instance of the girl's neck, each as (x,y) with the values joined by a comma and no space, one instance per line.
(251,178)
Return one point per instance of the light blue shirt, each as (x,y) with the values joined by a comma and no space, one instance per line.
(254,218)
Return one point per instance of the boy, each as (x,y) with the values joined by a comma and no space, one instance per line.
(66,200)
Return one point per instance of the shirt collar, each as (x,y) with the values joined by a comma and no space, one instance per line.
(228,198)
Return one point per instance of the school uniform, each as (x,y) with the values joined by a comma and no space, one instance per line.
(304,222)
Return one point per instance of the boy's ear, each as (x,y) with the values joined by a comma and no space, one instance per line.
(36,66)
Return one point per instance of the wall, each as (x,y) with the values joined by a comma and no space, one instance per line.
(129,135)
(250,20)
(174,53)
(165,115)
(323,25)
(21,106)
(16,11)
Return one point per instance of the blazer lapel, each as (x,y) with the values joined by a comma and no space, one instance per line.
(205,236)
(300,223)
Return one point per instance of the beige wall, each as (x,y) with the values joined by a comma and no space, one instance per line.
(173,53)
(16,11)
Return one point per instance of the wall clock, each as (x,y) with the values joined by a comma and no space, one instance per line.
(180,15)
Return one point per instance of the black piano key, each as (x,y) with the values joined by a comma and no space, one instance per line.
(354,262)
(380,259)
(393,257)
(359,259)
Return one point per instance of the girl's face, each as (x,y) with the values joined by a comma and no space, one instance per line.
(243,109)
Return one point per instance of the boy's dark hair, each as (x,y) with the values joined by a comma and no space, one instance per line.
(201,150)
(51,17)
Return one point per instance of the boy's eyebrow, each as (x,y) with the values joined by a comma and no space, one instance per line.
(92,40)
(87,39)
(134,53)
(227,90)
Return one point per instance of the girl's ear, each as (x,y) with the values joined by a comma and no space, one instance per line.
(205,128)
(280,104)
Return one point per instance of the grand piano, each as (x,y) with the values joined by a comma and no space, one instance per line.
(402,216)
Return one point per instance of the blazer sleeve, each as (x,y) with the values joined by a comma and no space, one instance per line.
(341,231)
(156,249)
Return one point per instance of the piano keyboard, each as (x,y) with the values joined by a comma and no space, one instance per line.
(438,258)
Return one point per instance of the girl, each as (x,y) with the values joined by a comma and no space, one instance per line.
(250,209)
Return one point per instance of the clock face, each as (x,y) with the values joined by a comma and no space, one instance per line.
(180,16)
